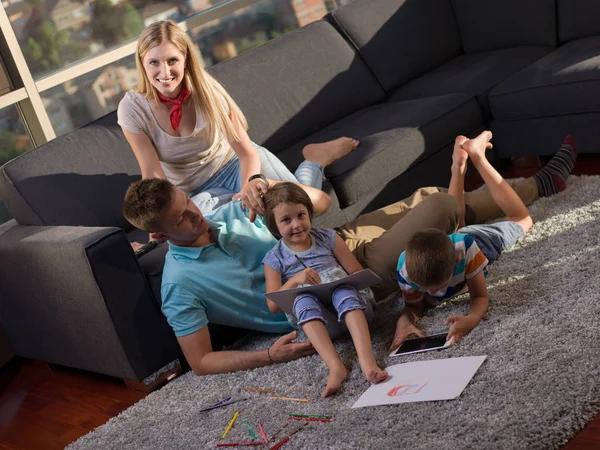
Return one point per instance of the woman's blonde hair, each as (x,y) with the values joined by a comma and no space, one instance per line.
(205,89)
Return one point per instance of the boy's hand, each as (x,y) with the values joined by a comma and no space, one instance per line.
(404,328)
(307,276)
(461,326)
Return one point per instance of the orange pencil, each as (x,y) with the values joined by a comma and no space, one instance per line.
(304,400)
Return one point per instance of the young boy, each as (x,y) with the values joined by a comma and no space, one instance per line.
(435,267)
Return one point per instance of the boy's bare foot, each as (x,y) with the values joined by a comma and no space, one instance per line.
(336,377)
(460,155)
(476,147)
(327,152)
(372,372)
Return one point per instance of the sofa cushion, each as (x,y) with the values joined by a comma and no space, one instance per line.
(577,19)
(393,136)
(471,73)
(76,179)
(564,82)
(493,24)
(400,39)
(296,85)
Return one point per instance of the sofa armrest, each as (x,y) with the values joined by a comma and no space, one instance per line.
(76,296)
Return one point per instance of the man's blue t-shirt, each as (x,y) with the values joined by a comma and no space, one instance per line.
(224,282)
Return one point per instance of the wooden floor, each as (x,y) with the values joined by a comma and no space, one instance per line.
(48,409)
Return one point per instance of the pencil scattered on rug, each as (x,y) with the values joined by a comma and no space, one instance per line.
(539,385)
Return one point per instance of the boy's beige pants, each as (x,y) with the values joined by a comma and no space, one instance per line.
(378,238)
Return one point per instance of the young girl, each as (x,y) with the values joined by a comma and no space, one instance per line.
(288,216)
(183,126)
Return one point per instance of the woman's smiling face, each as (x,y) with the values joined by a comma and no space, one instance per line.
(165,68)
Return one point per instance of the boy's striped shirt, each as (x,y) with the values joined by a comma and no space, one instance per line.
(471,261)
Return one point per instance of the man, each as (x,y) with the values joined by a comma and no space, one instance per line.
(213,270)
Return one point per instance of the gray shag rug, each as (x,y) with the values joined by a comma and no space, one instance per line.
(539,385)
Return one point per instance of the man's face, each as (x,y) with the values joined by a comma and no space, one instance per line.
(181,221)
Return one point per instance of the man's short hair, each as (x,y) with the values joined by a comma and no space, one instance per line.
(284,192)
(430,258)
(144,201)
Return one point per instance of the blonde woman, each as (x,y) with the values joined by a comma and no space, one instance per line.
(184,127)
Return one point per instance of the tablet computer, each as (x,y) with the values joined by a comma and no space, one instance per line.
(422,344)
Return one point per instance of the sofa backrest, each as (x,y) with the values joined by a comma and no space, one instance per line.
(400,39)
(76,179)
(298,84)
(577,19)
(494,24)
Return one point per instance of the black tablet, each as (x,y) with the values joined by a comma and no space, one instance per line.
(424,344)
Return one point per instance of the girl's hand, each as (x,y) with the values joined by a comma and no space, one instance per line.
(252,195)
(307,276)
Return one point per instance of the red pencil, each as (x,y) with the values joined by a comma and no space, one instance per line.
(238,444)
(275,435)
(280,443)
(287,438)
(262,433)
(310,419)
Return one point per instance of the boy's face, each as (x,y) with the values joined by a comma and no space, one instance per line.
(181,221)
(440,289)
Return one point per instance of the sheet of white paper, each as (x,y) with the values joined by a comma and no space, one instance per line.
(422,381)
(359,280)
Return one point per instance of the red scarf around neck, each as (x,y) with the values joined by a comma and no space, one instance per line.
(176,113)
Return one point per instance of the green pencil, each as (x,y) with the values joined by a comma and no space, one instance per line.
(252,435)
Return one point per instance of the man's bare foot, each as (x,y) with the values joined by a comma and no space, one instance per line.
(327,152)
(476,147)
(335,379)
(460,155)
(373,373)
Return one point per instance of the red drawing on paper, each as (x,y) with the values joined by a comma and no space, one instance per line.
(407,389)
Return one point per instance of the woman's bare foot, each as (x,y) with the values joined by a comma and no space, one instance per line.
(476,147)
(372,372)
(327,152)
(336,377)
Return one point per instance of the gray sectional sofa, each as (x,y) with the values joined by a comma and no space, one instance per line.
(402,76)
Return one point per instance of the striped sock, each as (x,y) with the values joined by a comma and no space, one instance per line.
(551,179)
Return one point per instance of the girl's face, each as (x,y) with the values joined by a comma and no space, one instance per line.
(293,223)
(165,68)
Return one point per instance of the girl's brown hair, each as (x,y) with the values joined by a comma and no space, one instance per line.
(205,89)
(284,192)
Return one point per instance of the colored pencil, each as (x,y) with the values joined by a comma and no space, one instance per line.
(235,416)
(304,400)
(270,391)
(219,405)
(237,444)
(280,443)
(252,435)
(310,419)
(262,433)
(276,434)
(287,438)
(310,415)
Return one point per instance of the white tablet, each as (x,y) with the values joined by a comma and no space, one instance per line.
(422,344)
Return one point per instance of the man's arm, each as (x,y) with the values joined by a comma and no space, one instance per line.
(203,360)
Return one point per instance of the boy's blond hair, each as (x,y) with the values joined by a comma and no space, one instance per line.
(430,258)
(205,89)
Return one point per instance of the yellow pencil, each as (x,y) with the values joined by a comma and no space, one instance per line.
(305,400)
(235,416)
